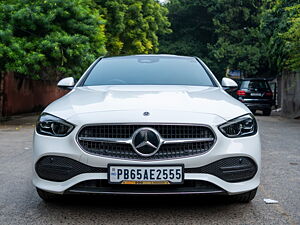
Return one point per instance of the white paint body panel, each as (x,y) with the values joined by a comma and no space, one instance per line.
(167,104)
(85,101)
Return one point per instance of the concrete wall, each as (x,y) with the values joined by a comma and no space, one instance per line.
(22,95)
(290,94)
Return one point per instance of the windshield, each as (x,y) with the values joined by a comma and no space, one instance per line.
(148,70)
(255,84)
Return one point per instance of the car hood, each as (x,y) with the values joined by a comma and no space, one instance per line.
(133,98)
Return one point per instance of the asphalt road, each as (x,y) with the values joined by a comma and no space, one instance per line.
(19,203)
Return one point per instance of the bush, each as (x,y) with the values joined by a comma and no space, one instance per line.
(50,38)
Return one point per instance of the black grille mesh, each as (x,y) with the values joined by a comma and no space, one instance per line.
(125,151)
(126,131)
(58,168)
(234,169)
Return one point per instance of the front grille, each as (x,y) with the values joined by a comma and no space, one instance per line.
(126,151)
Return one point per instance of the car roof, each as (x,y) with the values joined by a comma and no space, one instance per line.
(150,55)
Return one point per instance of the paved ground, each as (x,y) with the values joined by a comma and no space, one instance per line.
(19,203)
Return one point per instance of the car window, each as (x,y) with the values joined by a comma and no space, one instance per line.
(148,70)
(255,84)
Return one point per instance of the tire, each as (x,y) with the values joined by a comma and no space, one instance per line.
(267,112)
(47,196)
(244,197)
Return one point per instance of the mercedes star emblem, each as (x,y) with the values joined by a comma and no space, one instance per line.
(146,114)
(146,141)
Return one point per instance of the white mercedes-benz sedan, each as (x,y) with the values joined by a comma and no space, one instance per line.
(147,124)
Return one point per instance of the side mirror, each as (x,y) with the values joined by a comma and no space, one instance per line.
(66,83)
(229,83)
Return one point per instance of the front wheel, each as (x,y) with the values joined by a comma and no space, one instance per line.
(244,197)
(47,196)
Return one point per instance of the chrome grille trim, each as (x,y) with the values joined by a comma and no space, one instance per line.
(128,141)
(186,140)
(112,144)
(107,140)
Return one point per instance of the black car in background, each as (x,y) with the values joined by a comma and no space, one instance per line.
(256,94)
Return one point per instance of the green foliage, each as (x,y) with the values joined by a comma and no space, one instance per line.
(292,38)
(114,13)
(54,38)
(238,43)
(260,38)
(58,38)
(224,33)
(274,22)
(133,25)
(192,27)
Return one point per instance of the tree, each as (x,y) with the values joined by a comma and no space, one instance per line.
(224,33)
(133,26)
(56,38)
(275,19)
(193,29)
(238,43)
(292,38)
(241,35)
(114,13)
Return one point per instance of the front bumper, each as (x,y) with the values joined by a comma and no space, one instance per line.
(258,104)
(196,180)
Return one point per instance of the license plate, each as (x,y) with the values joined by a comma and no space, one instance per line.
(255,94)
(145,174)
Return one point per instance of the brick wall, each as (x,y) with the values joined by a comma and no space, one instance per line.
(22,95)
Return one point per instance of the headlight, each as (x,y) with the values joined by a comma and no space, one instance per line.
(239,127)
(53,126)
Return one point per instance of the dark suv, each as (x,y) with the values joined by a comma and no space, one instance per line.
(256,94)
